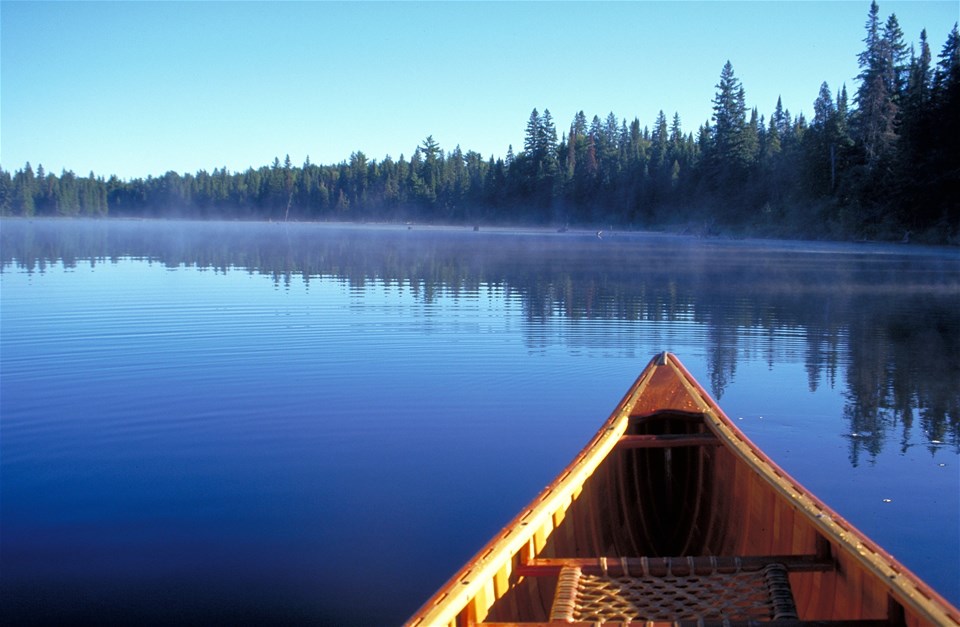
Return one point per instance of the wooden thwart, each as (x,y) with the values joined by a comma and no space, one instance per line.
(551,567)
(668,441)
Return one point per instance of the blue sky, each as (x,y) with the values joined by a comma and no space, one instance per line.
(139,88)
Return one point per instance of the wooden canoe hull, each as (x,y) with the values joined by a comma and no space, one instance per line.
(669,475)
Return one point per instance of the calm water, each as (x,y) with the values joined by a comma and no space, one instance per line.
(305,423)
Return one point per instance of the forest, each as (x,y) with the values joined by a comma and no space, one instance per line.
(874,163)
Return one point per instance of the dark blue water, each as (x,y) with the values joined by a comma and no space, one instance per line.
(305,423)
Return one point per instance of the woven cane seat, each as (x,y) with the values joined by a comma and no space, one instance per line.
(619,594)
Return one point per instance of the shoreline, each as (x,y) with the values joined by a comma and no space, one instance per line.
(681,232)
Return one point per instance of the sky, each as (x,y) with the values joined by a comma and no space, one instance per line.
(140,88)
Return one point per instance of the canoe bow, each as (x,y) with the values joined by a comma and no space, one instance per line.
(838,574)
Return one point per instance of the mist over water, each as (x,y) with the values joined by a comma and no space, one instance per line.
(252,422)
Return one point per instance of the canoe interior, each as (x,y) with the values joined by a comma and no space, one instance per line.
(681,481)
(686,501)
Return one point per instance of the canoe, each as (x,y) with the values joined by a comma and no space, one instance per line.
(670,515)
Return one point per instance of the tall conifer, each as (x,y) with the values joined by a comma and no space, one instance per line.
(729,158)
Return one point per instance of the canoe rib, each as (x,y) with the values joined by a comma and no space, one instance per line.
(668,475)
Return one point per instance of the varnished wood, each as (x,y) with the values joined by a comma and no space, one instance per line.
(668,441)
(708,623)
(541,567)
(670,475)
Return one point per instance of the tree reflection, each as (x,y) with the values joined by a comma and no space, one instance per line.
(901,363)
(884,318)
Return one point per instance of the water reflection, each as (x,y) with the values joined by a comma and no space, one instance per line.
(882,319)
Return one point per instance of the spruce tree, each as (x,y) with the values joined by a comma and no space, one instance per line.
(876,110)
(579,124)
(430,169)
(822,144)
(6,192)
(751,138)
(919,79)
(23,192)
(949,63)
(658,144)
(942,195)
(534,132)
(894,52)
(676,139)
(728,159)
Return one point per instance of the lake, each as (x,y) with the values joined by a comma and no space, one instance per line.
(304,423)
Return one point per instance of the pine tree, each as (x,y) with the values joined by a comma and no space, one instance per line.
(637,143)
(539,163)
(919,79)
(771,145)
(548,167)
(549,133)
(596,129)
(823,108)
(949,63)
(591,166)
(611,129)
(456,185)
(843,116)
(780,120)
(23,192)
(579,125)
(894,52)
(430,170)
(941,167)
(915,109)
(870,58)
(676,138)
(876,109)
(729,159)
(658,144)
(289,182)
(751,138)
(534,132)
(822,143)
(6,192)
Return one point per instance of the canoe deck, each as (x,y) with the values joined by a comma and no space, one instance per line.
(670,514)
